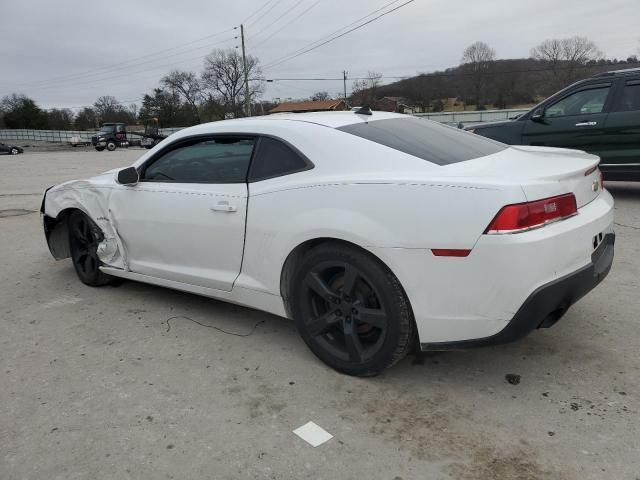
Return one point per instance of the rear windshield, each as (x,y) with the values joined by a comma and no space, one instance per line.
(425,139)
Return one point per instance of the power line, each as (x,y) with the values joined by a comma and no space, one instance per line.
(285,13)
(127,74)
(263,41)
(329,38)
(121,65)
(108,68)
(329,78)
(99,76)
(265,13)
(256,12)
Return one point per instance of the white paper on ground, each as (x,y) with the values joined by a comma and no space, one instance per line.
(313,434)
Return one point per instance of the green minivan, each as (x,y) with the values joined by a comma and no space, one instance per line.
(600,115)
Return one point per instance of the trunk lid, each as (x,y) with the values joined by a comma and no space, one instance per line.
(541,171)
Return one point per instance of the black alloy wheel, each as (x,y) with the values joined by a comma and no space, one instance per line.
(351,310)
(84,237)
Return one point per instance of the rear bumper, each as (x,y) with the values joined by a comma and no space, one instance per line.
(547,304)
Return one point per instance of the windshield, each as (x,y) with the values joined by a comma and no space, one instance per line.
(430,141)
(107,128)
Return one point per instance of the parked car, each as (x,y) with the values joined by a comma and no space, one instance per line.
(375,232)
(600,115)
(10,149)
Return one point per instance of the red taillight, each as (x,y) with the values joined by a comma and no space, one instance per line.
(450,252)
(525,216)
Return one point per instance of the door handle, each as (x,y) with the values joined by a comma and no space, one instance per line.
(586,124)
(224,206)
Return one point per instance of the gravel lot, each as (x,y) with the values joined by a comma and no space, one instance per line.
(94,383)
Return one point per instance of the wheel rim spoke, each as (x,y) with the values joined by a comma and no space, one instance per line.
(318,285)
(350,279)
(344,312)
(373,316)
(352,343)
(321,325)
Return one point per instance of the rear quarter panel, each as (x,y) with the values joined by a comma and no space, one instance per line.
(409,214)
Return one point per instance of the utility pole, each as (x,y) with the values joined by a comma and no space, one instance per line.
(344,81)
(247,100)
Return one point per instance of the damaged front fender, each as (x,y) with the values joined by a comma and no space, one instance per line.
(92,198)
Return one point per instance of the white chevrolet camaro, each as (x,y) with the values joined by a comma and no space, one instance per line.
(376,233)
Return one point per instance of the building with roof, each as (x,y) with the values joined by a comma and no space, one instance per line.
(310,106)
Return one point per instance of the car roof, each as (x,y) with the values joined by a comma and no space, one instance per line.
(327,119)
(289,120)
(617,73)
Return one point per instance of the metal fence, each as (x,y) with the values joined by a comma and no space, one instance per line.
(478,116)
(64,136)
(58,136)
(53,136)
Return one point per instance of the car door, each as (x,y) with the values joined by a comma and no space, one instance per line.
(574,121)
(185,219)
(621,159)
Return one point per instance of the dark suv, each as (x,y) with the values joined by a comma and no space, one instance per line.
(600,115)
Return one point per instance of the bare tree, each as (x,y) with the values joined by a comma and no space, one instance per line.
(565,56)
(188,86)
(476,61)
(320,96)
(86,119)
(223,79)
(106,107)
(60,118)
(365,91)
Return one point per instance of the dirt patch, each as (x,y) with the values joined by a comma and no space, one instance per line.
(434,429)
(489,463)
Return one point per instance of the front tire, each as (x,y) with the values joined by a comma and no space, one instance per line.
(111,146)
(84,237)
(99,149)
(14,151)
(350,310)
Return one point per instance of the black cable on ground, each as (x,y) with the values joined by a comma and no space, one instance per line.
(214,327)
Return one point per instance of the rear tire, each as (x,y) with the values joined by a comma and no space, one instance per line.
(350,310)
(84,237)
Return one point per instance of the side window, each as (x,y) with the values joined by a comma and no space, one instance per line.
(275,158)
(219,160)
(580,103)
(630,99)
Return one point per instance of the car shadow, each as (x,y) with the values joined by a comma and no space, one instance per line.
(543,353)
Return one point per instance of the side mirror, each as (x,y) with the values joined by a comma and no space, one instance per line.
(537,115)
(128,176)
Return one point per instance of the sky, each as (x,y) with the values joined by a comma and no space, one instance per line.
(67,53)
